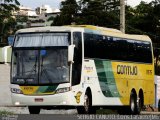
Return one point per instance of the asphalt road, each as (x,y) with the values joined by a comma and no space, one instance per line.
(24,110)
(5,94)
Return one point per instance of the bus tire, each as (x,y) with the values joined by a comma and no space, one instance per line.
(132,103)
(34,109)
(135,104)
(87,108)
(138,106)
(159,106)
(140,103)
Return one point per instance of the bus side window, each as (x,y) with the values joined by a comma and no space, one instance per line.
(77,66)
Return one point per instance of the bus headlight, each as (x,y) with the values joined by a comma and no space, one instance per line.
(15,90)
(62,90)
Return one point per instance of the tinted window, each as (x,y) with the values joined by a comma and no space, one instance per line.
(106,47)
(77,65)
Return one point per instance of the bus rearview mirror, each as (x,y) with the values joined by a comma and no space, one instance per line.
(70,53)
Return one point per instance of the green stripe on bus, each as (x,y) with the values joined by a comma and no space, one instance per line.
(46,89)
(41,89)
(51,88)
(106,78)
(110,78)
(102,78)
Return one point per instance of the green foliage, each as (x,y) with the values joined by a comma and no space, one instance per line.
(5,113)
(69,9)
(91,12)
(21,19)
(145,19)
(99,12)
(94,12)
(6,7)
(6,20)
(140,19)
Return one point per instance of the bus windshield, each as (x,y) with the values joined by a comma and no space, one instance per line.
(42,40)
(40,65)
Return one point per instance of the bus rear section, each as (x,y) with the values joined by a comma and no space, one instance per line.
(119,70)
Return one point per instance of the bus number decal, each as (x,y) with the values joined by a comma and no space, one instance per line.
(127,70)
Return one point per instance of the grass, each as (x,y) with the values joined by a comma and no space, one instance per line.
(4,113)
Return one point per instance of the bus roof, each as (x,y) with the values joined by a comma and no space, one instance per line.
(114,32)
(86,28)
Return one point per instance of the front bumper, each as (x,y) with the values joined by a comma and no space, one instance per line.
(61,99)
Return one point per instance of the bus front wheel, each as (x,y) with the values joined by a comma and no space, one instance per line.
(34,109)
(87,108)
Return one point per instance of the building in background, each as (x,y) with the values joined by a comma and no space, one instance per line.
(26,11)
(26,17)
(44,13)
(45,9)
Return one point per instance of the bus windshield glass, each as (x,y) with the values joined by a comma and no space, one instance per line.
(42,40)
(45,63)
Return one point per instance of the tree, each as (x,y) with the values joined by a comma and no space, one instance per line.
(93,12)
(145,19)
(6,7)
(100,12)
(6,20)
(137,19)
(69,9)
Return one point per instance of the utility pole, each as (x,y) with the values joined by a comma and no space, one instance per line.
(122,16)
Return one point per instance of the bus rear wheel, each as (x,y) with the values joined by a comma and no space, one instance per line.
(135,104)
(34,109)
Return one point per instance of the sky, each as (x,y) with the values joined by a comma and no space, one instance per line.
(133,3)
(56,3)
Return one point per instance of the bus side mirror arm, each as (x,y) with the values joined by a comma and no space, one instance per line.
(70,53)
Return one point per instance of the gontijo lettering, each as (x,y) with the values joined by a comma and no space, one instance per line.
(127,70)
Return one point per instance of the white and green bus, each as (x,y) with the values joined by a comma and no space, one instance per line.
(84,67)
